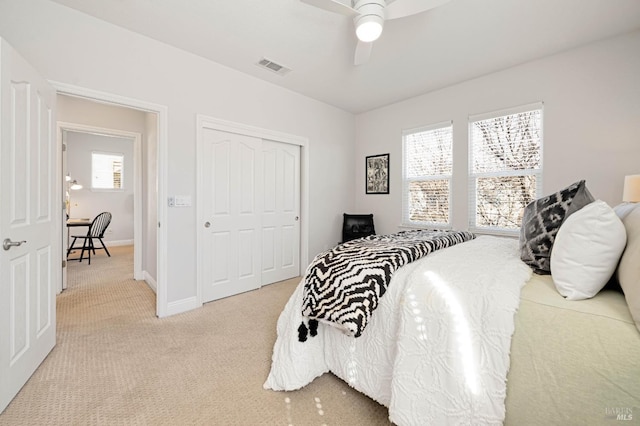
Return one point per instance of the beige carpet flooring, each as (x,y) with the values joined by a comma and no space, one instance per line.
(115,363)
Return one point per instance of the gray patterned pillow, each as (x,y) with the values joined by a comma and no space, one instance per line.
(542,219)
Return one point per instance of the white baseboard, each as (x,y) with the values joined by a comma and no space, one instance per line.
(118,243)
(180,306)
(150,281)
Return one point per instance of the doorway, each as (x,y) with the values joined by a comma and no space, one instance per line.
(88,111)
(88,190)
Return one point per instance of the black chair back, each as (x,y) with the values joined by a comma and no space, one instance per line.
(357,226)
(99,225)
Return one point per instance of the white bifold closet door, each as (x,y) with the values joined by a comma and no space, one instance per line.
(281,207)
(250,204)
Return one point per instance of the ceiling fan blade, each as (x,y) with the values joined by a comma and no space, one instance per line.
(363,51)
(332,6)
(402,8)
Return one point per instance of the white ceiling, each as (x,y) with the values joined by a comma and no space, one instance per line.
(458,41)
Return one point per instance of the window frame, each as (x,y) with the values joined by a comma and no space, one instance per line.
(473,176)
(122,180)
(406,222)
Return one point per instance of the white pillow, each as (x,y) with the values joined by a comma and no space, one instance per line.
(586,251)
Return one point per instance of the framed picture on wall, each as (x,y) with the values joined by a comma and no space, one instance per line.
(377,177)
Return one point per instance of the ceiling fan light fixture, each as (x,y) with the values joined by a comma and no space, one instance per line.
(370,19)
(369,28)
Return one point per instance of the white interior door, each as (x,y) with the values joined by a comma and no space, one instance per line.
(231,214)
(281,214)
(29,213)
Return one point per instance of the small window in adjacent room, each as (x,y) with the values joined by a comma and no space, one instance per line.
(505,167)
(107,170)
(427,167)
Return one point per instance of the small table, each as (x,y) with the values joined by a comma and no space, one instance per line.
(78,222)
(74,222)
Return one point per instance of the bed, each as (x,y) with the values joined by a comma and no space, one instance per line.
(469,335)
(572,362)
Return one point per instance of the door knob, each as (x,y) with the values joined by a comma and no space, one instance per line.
(296,218)
(7,243)
(207,224)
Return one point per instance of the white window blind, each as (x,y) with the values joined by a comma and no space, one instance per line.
(427,169)
(505,167)
(107,170)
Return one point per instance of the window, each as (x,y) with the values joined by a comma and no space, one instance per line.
(106,170)
(427,169)
(505,167)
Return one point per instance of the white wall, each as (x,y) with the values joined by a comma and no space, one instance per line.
(80,111)
(88,202)
(70,47)
(591,129)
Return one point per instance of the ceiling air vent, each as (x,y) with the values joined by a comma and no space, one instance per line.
(272,66)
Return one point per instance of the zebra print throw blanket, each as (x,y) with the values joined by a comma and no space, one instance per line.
(343,285)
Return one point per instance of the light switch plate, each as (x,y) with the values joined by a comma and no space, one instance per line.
(180,201)
(183,200)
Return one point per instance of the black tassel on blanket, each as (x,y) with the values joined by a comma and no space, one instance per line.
(312,330)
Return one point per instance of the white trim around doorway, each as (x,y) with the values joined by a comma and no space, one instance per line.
(162,308)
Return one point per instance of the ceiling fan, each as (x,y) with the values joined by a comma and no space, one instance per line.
(369,16)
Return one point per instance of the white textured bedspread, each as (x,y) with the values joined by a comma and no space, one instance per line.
(436,350)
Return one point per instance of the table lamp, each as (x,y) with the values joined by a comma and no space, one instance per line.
(71,185)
